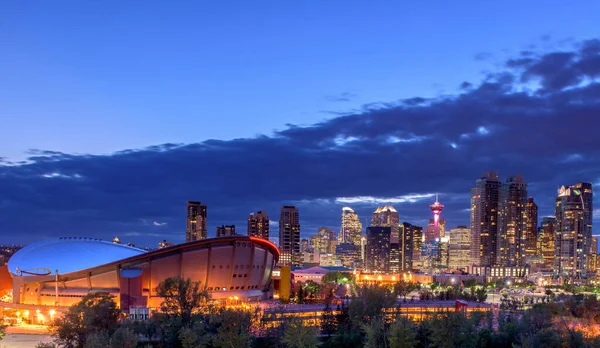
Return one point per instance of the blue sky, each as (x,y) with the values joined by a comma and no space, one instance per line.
(102,76)
(272,103)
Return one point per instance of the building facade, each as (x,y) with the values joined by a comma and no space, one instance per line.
(289,236)
(484,220)
(387,217)
(196,222)
(225,231)
(378,249)
(351,231)
(512,222)
(258,224)
(547,241)
(406,245)
(459,248)
(531,228)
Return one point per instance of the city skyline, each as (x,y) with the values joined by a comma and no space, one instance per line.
(98,142)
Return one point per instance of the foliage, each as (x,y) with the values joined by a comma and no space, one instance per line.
(369,304)
(401,334)
(183,298)
(96,312)
(233,329)
(328,320)
(123,338)
(100,339)
(374,333)
(403,288)
(299,335)
(338,277)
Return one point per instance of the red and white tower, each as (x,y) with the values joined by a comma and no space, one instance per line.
(436,209)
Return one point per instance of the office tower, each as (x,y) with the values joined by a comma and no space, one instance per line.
(348,254)
(434,255)
(363,249)
(225,231)
(258,224)
(435,230)
(594,245)
(378,249)
(387,217)
(196,221)
(164,244)
(417,244)
(547,241)
(351,227)
(573,230)
(484,220)
(289,236)
(324,241)
(304,245)
(407,244)
(394,257)
(459,248)
(512,222)
(531,227)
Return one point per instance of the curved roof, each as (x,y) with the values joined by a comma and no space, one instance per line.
(68,254)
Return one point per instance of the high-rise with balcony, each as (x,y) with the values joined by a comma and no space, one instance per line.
(225,231)
(573,230)
(512,222)
(459,248)
(258,224)
(546,239)
(351,231)
(484,220)
(531,228)
(289,236)
(196,221)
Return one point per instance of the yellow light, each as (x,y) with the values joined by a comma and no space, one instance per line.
(52,312)
(393,277)
(37,311)
(379,278)
(18,314)
(26,313)
(236,298)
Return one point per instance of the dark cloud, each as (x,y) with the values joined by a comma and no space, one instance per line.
(409,148)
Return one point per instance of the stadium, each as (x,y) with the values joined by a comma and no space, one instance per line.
(56,273)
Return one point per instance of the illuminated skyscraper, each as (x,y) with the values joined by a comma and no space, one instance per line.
(547,241)
(531,227)
(434,230)
(351,231)
(417,245)
(512,236)
(324,241)
(387,217)
(459,248)
(594,245)
(289,236)
(573,233)
(378,249)
(225,231)
(258,224)
(484,220)
(410,238)
(196,221)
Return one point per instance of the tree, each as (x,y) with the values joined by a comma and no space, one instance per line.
(99,339)
(403,288)
(453,330)
(96,312)
(233,329)
(374,333)
(481,295)
(182,298)
(123,338)
(369,305)
(299,335)
(328,320)
(401,334)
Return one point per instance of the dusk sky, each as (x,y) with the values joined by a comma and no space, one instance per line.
(113,114)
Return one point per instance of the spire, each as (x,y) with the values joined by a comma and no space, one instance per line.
(436,197)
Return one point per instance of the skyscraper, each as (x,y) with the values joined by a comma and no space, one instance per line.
(351,227)
(225,231)
(387,217)
(289,236)
(408,233)
(513,223)
(484,220)
(258,224)
(378,249)
(547,241)
(573,231)
(417,244)
(531,224)
(459,248)
(196,221)
(324,241)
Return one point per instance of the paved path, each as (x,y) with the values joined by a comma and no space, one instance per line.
(23,340)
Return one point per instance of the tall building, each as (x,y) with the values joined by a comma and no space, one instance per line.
(484,220)
(387,217)
(417,245)
(225,231)
(395,258)
(351,227)
(289,236)
(378,249)
(459,248)
(304,245)
(258,224)
(531,227)
(435,229)
(324,241)
(513,223)
(434,255)
(196,221)
(547,241)
(573,231)
(408,233)
(594,245)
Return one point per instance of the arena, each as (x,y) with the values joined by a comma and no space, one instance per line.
(56,273)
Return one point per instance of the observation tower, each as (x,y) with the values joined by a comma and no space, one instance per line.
(436,209)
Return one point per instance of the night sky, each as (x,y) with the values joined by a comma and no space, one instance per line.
(113,114)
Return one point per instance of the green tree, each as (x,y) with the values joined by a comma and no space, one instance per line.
(374,333)
(346,338)
(123,338)
(299,335)
(401,334)
(328,320)
(99,339)
(96,312)
(369,304)
(188,337)
(453,330)
(233,329)
(481,295)
(182,298)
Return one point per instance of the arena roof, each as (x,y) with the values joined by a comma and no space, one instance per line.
(67,254)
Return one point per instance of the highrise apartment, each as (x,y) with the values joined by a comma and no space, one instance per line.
(289,236)
(225,231)
(378,249)
(531,228)
(512,222)
(258,224)
(547,241)
(484,220)
(196,221)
